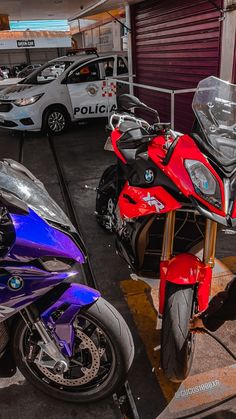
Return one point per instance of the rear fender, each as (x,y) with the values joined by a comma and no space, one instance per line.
(65,310)
(186,269)
(137,202)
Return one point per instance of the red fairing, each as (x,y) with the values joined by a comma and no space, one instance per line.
(234,211)
(186,269)
(137,202)
(175,169)
(115,136)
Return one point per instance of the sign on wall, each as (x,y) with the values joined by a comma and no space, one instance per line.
(25,43)
(42,42)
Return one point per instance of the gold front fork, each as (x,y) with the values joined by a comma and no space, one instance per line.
(210,243)
(168,236)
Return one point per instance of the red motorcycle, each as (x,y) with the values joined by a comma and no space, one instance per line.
(168,192)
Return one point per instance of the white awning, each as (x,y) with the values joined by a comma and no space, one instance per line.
(101,6)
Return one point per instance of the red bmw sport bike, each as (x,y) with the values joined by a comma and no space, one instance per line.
(168,192)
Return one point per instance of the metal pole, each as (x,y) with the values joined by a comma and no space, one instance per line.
(172,111)
(130,58)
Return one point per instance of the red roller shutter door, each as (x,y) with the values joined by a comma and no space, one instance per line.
(175,44)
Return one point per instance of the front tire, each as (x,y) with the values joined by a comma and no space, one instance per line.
(97,370)
(177,343)
(55,121)
(106,199)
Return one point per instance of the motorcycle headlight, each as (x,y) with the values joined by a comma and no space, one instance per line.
(205,184)
(28,100)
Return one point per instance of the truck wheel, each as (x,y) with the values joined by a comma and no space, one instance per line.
(55,121)
(177,343)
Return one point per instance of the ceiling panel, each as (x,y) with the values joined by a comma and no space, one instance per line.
(57,9)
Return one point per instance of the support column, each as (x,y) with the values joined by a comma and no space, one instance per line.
(130,55)
(228,41)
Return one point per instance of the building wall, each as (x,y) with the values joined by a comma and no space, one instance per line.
(13,57)
(105,37)
(175,45)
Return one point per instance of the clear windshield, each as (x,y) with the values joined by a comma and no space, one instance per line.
(214,105)
(34,195)
(47,73)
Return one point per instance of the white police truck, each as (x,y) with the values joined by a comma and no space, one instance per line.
(61,91)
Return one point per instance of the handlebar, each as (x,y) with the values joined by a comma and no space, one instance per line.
(117,119)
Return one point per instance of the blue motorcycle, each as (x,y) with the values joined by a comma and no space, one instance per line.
(62,335)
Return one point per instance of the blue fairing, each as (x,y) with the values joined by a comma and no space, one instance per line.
(75,298)
(35,238)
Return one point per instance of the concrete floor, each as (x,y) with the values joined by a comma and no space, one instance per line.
(81,150)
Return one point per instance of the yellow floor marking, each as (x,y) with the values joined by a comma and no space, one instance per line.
(138,297)
(222,274)
(230,262)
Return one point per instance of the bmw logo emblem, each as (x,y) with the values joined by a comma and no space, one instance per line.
(149,175)
(15,283)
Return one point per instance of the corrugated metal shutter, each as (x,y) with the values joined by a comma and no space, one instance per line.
(176,44)
(12,57)
(234,67)
(42,55)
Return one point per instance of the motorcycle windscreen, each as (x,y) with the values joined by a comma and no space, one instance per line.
(214,105)
(34,195)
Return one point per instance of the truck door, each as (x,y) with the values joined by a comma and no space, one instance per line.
(90,93)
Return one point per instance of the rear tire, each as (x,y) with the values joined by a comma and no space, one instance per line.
(115,348)
(177,343)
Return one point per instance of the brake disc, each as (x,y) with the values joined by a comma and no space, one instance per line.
(88,373)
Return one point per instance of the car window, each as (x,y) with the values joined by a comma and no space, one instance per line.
(47,73)
(121,67)
(106,67)
(87,73)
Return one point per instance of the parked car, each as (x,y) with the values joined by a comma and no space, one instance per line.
(28,70)
(63,90)
(17,68)
(8,82)
(4,71)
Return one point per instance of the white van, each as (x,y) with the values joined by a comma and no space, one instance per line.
(63,90)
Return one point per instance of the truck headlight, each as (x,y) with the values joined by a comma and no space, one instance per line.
(205,184)
(28,100)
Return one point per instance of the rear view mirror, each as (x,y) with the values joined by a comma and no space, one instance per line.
(126,102)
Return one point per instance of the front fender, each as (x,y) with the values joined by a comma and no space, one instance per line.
(186,269)
(60,315)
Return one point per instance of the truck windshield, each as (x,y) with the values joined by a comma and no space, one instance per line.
(47,73)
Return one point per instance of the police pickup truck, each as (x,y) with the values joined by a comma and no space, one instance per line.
(65,89)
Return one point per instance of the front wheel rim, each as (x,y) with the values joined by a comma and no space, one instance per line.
(102,365)
(56,121)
